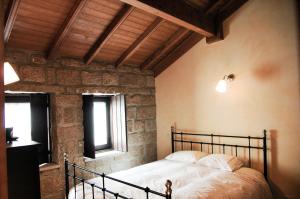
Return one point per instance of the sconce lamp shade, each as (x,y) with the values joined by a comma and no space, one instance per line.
(221,86)
(223,83)
(10,75)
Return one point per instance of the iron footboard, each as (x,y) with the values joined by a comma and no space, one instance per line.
(75,178)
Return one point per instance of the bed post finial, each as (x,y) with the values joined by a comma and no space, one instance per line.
(172,129)
(168,189)
(66,157)
(172,138)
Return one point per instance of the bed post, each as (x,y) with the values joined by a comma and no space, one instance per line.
(168,189)
(66,175)
(265,154)
(172,138)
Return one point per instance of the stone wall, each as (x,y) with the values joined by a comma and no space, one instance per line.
(66,79)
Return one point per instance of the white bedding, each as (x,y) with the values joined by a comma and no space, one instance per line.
(190,181)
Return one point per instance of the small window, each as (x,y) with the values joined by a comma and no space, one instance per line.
(104,123)
(28,116)
(18,117)
(102,134)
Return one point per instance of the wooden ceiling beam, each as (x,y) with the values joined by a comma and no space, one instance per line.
(230,8)
(216,4)
(222,14)
(192,39)
(179,13)
(10,18)
(65,28)
(139,41)
(108,32)
(154,57)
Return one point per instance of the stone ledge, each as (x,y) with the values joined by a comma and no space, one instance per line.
(48,167)
(104,154)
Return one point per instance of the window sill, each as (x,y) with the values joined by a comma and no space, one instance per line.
(104,154)
(48,167)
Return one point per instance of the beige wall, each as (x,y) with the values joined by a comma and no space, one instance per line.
(262,50)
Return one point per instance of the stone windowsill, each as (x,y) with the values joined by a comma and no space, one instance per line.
(104,154)
(48,167)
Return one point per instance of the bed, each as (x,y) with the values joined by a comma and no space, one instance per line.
(181,178)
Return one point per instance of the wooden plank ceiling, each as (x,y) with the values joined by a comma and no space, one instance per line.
(149,33)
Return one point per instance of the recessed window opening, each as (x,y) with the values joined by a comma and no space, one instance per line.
(104,123)
(27,115)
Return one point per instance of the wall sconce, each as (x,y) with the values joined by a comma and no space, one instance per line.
(10,75)
(222,84)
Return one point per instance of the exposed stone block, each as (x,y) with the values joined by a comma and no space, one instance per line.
(150,125)
(150,137)
(129,126)
(91,78)
(69,62)
(68,77)
(131,113)
(50,182)
(147,112)
(16,56)
(140,100)
(139,125)
(65,134)
(51,76)
(110,79)
(133,100)
(132,80)
(68,100)
(32,74)
(150,81)
(148,100)
(69,115)
(21,86)
(135,139)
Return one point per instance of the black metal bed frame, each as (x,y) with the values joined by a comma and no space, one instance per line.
(174,138)
(192,142)
(75,178)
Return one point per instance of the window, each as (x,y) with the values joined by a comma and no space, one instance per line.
(18,117)
(104,123)
(102,135)
(28,115)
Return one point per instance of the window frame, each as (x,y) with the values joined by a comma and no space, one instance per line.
(117,123)
(107,101)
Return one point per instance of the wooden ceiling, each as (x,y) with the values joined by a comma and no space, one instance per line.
(149,33)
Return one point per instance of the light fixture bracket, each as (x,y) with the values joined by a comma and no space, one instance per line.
(229,77)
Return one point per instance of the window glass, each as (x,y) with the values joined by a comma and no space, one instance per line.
(100,124)
(18,116)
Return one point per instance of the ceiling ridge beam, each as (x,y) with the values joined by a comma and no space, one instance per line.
(226,11)
(66,26)
(139,41)
(108,32)
(164,48)
(11,18)
(179,13)
(192,39)
(230,8)
(216,5)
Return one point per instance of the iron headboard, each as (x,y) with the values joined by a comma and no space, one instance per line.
(180,137)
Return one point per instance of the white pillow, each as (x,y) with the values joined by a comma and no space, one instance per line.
(221,161)
(186,156)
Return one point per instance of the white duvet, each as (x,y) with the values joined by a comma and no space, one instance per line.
(190,181)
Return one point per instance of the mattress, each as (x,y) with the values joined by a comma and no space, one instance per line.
(189,181)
